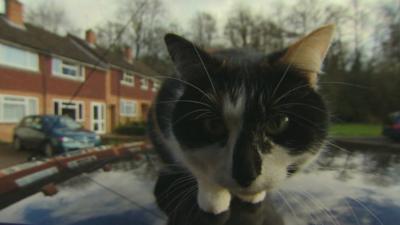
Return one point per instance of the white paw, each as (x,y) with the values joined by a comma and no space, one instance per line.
(214,201)
(256,198)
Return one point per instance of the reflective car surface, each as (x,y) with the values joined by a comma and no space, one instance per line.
(342,187)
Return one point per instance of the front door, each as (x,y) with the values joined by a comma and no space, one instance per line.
(98,118)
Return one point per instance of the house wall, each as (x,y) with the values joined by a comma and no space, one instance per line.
(6,129)
(46,88)
(101,86)
(118,91)
(93,87)
(19,79)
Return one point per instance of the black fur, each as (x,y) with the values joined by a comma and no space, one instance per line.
(281,107)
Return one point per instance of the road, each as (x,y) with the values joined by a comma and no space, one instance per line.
(10,157)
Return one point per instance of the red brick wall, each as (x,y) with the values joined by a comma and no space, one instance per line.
(125,91)
(24,80)
(94,87)
(18,79)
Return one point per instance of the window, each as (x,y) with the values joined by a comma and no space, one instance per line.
(68,70)
(128,79)
(144,84)
(14,108)
(74,110)
(156,86)
(18,58)
(127,108)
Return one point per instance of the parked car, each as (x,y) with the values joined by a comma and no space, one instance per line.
(391,126)
(52,134)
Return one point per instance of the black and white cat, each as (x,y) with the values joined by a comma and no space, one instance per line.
(241,122)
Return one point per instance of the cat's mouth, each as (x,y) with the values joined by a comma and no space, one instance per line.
(250,191)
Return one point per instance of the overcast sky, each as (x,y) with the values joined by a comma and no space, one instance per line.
(85,14)
(89,13)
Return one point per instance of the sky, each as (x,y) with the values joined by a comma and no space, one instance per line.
(86,14)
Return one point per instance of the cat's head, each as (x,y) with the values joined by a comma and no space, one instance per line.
(245,120)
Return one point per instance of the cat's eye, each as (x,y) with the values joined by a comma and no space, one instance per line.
(214,127)
(277,124)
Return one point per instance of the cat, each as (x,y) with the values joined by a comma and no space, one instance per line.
(241,122)
(176,196)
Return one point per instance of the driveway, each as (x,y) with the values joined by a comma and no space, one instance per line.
(10,157)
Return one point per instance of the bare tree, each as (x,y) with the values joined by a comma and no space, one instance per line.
(238,27)
(204,28)
(107,34)
(145,17)
(55,20)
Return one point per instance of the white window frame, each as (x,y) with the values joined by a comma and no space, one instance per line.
(76,103)
(34,56)
(25,103)
(65,64)
(122,104)
(156,86)
(144,83)
(127,82)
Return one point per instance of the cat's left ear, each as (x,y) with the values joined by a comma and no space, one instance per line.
(309,52)
(190,61)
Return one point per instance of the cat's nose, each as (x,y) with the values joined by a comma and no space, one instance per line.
(246,166)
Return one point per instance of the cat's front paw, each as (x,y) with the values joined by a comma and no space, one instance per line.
(213,200)
(256,198)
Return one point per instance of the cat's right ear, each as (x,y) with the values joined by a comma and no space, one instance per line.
(189,60)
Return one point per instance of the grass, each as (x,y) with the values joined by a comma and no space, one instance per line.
(355,130)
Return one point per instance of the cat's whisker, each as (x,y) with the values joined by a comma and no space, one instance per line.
(295,53)
(337,146)
(361,204)
(175,200)
(352,211)
(368,210)
(190,113)
(209,97)
(205,68)
(202,115)
(301,104)
(289,92)
(320,204)
(288,205)
(187,194)
(296,198)
(185,101)
(319,83)
(304,119)
(177,182)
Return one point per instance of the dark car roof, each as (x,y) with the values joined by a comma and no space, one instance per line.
(343,187)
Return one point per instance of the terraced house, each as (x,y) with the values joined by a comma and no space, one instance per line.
(44,73)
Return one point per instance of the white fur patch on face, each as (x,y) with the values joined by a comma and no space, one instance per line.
(233,109)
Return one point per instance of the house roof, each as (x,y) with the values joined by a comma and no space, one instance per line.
(44,41)
(116,58)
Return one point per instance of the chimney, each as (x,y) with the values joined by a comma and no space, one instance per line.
(14,12)
(128,54)
(90,37)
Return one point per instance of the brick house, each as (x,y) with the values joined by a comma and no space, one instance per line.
(41,71)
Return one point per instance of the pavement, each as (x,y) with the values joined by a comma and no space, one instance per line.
(10,157)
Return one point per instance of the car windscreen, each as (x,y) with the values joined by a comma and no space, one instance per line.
(62,123)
